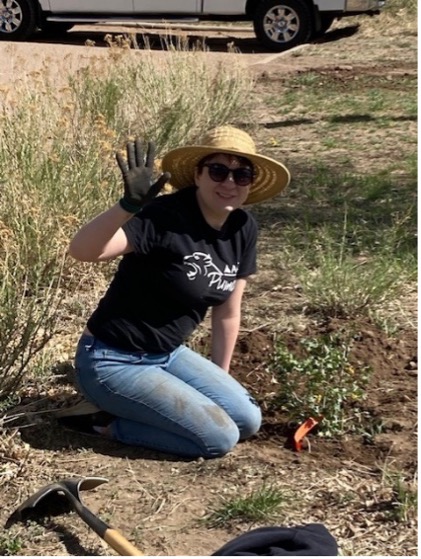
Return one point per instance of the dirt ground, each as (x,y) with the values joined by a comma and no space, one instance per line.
(157,501)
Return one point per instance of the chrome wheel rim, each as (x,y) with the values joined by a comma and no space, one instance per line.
(11,16)
(281,24)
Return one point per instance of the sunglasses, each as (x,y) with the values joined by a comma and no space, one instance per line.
(218,172)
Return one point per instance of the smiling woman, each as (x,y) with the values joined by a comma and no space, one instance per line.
(183,253)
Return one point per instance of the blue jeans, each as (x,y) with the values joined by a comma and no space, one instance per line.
(177,402)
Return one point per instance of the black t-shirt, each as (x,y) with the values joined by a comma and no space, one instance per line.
(179,267)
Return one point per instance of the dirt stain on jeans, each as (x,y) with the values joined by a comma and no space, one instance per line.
(205,413)
(180,405)
(218,416)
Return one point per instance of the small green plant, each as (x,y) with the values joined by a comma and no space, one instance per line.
(404,502)
(371,427)
(10,545)
(7,402)
(261,505)
(320,383)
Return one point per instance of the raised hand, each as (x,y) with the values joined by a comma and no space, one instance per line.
(137,174)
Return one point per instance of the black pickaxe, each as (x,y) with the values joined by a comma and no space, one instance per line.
(69,490)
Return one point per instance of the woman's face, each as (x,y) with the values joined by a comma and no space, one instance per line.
(218,199)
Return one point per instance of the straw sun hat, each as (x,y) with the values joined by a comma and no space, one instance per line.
(271,176)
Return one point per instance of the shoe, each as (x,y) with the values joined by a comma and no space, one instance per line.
(87,424)
(81,408)
(84,417)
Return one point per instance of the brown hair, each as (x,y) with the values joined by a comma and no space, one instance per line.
(242,160)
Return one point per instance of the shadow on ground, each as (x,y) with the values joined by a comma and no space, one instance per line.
(212,41)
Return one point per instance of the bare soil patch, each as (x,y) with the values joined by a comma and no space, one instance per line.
(158,501)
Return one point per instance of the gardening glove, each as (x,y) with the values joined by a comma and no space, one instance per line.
(137,176)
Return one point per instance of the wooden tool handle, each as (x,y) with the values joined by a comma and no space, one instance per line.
(119,543)
(113,538)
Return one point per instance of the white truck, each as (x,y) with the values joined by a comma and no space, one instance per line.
(278,24)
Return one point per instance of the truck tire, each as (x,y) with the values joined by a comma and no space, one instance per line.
(18,19)
(282,24)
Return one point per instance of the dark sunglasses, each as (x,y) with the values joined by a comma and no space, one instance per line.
(218,172)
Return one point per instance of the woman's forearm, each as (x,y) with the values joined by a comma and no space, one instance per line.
(226,320)
(102,238)
(224,337)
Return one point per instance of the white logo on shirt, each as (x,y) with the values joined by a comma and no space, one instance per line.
(201,264)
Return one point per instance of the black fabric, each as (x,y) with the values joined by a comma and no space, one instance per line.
(310,539)
(179,267)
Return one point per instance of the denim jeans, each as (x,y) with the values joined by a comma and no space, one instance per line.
(178,402)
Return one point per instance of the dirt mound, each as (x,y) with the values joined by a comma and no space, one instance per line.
(390,406)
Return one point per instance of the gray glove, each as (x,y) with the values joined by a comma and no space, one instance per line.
(137,176)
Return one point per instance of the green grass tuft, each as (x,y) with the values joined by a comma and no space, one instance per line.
(262,505)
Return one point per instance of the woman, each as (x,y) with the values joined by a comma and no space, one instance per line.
(182,253)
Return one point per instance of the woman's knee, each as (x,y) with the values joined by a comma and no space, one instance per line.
(229,428)
(250,420)
(219,442)
(225,442)
(220,436)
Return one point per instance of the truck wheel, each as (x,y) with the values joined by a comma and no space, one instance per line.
(17,19)
(282,24)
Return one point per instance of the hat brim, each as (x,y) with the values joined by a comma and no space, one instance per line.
(271,177)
